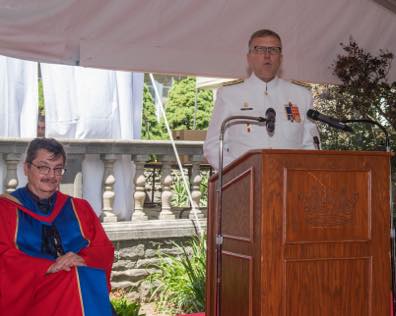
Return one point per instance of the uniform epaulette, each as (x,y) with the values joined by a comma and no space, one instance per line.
(302,83)
(232,82)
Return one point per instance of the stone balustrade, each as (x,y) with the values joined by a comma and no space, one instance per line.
(12,150)
(150,226)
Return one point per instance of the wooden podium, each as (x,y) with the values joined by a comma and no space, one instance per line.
(306,233)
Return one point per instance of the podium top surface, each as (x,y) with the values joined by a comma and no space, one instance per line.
(304,152)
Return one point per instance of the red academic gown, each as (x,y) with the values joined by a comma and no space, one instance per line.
(26,288)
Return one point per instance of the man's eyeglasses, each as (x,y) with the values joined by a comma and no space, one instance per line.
(46,170)
(272,50)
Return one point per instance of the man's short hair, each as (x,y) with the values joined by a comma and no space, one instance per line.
(263,33)
(49,144)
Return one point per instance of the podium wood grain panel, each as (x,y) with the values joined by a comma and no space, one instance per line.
(237,273)
(238,197)
(328,287)
(330,205)
(315,226)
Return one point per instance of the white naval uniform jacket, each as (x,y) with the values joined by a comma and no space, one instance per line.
(253,97)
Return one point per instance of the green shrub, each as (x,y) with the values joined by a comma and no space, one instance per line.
(180,282)
(203,187)
(125,308)
(180,196)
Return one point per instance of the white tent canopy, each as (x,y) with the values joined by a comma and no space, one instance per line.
(200,37)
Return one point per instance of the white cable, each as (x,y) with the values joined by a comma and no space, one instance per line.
(176,155)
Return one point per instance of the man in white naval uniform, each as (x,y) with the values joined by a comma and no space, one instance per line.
(262,90)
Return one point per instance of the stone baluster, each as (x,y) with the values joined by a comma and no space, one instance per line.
(195,187)
(11,181)
(140,193)
(78,185)
(74,174)
(108,188)
(166,185)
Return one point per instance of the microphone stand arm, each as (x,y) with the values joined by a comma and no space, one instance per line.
(219,191)
(387,141)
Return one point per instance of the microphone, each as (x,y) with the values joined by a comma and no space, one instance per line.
(333,122)
(270,115)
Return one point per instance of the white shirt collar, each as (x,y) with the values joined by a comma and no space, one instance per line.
(263,85)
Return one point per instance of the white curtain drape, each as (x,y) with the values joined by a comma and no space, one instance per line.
(18,104)
(85,103)
(193,37)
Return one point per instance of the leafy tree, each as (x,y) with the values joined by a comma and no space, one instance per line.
(151,128)
(180,108)
(364,92)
